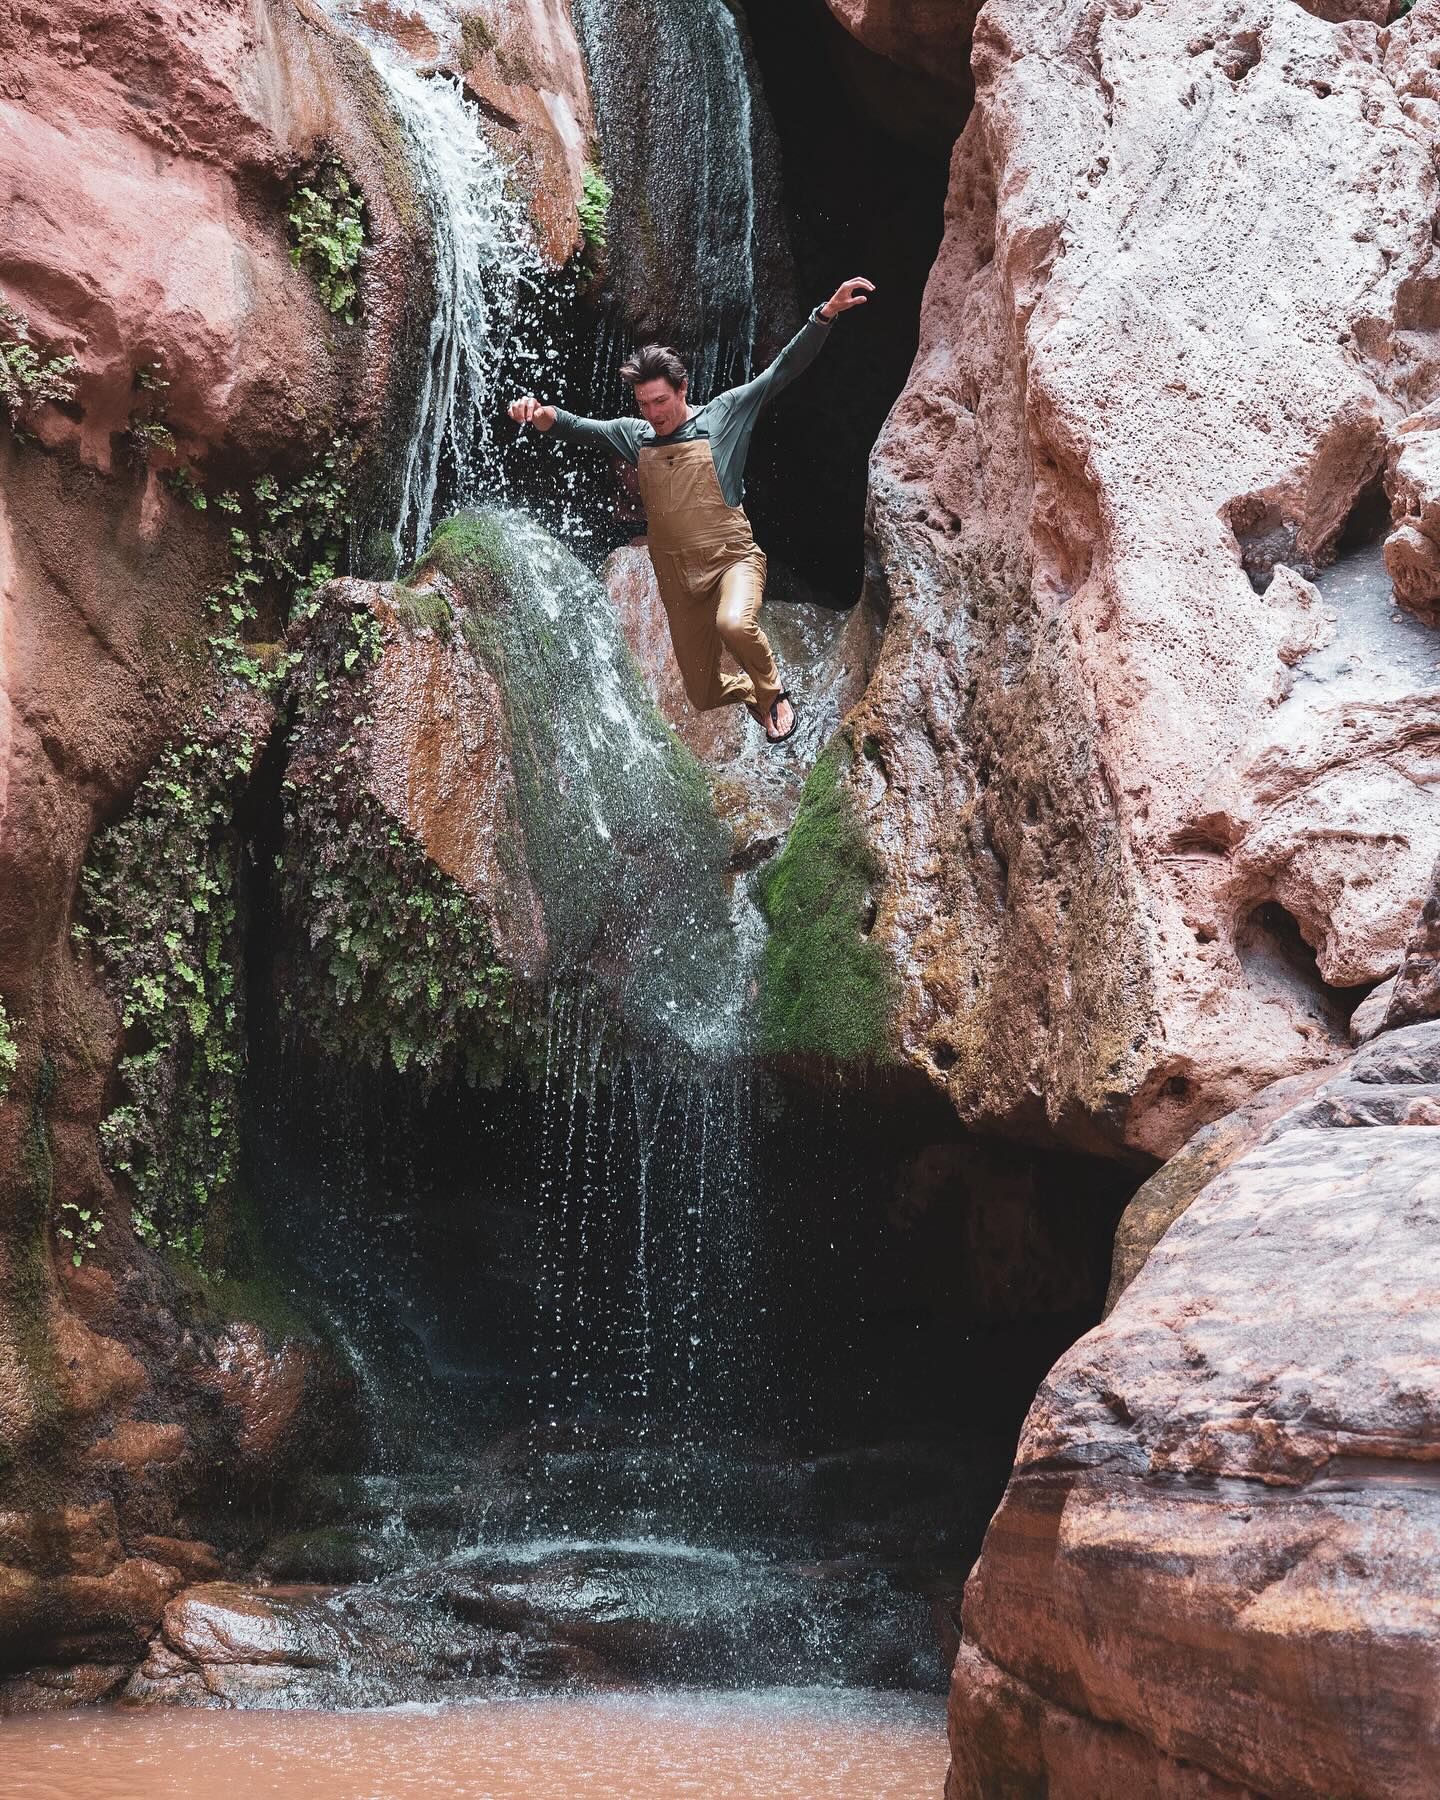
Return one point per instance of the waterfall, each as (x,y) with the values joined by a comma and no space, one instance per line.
(696,250)
(622,841)
(553,1294)
(488,281)
(645,1340)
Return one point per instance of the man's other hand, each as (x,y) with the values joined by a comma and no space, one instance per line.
(849,293)
(531,411)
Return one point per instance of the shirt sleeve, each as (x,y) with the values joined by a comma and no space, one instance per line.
(743,404)
(620,435)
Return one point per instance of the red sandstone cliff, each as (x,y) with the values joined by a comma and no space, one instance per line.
(1127,734)
(147,156)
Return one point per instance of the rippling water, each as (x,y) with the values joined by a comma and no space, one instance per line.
(763,1746)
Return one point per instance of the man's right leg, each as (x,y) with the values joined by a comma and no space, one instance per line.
(695,639)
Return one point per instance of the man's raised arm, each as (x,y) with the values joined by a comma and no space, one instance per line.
(618,435)
(800,352)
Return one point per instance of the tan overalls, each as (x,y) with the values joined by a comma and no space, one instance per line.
(711,574)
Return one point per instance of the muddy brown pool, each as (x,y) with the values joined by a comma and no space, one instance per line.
(765,1746)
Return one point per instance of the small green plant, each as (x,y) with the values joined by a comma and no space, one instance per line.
(594,209)
(27,377)
(82,1231)
(151,434)
(9,1052)
(148,430)
(182,483)
(160,903)
(327,227)
(294,537)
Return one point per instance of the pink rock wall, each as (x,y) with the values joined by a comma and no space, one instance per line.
(146,156)
(1135,754)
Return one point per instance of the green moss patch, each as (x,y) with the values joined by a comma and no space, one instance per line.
(161,903)
(827,987)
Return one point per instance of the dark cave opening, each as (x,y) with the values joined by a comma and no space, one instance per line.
(624,1300)
(1278,959)
(861,200)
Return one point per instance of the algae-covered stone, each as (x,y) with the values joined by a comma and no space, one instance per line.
(482,803)
(827,983)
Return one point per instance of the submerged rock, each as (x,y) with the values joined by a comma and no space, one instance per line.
(225,1644)
(1214,1563)
(1150,785)
(571,1614)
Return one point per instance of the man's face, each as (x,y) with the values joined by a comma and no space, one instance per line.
(661,406)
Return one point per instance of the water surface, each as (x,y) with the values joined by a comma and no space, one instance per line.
(781,1744)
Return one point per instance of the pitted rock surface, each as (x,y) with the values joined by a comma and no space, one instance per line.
(1133,733)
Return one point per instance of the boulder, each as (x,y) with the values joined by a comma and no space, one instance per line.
(460,836)
(1149,777)
(1214,1564)
(225,1644)
(523,68)
(1416,993)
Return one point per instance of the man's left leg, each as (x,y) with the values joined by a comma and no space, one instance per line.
(737,619)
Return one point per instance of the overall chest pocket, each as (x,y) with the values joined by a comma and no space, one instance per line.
(680,479)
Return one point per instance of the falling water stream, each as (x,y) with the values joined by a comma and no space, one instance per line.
(488,276)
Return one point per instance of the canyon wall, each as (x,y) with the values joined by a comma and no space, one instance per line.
(1147,778)
(148,160)
(1148,724)
(1213,1566)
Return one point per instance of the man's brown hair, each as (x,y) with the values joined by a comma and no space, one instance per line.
(655,362)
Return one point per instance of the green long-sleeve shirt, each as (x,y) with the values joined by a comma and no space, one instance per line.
(728,420)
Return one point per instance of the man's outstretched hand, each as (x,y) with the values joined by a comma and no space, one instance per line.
(849,293)
(531,411)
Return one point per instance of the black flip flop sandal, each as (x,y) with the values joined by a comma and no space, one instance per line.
(794,718)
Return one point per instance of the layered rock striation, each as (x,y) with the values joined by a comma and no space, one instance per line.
(1147,724)
(1213,1566)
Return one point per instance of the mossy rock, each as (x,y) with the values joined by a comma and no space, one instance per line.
(617,818)
(828,987)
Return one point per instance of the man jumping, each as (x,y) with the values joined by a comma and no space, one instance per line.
(691,460)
